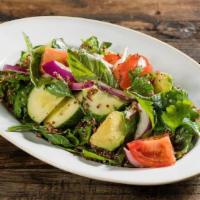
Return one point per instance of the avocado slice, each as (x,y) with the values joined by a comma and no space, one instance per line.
(163,82)
(111,133)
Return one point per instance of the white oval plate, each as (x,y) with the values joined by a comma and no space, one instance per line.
(164,57)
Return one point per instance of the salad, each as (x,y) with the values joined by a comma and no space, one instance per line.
(105,106)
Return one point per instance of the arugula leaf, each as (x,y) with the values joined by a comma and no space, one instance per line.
(28,43)
(54,138)
(84,68)
(92,45)
(140,84)
(92,155)
(71,137)
(22,128)
(59,43)
(58,88)
(174,114)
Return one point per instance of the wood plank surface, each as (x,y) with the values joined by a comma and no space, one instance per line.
(176,22)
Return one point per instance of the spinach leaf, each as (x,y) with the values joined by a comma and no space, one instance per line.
(20,103)
(10,84)
(185,137)
(84,129)
(58,88)
(59,43)
(55,139)
(84,68)
(35,59)
(140,84)
(92,45)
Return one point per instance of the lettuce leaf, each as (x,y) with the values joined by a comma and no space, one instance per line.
(175,113)
(84,68)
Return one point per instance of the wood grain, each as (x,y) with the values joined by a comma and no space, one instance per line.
(176,22)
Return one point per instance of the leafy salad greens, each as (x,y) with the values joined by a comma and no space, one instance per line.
(98,104)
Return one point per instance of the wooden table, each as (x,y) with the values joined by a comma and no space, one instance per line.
(176,22)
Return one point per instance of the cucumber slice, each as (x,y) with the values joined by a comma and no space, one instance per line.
(100,103)
(66,114)
(41,103)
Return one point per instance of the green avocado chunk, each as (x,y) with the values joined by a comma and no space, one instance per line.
(111,133)
(163,82)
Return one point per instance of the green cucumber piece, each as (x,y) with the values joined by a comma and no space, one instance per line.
(67,114)
(41,103)
(100,103)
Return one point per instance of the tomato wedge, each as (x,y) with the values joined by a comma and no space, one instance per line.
(153,152)
(112,58)
(51,54)
(133,61)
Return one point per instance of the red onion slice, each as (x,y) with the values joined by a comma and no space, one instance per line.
(55,69)
(80,86)
(144,123)
(113,91)
(15,68)
(131,159)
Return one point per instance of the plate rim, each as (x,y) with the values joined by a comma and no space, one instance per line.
(196,64)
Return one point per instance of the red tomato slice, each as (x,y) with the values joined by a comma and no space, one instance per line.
(153,152)
(51,54)
(133,61)
(112,58)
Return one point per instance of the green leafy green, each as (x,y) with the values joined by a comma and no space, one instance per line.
(20,103)
(84,129)
(172,96)
(84,68)
(92,155)
(58,88)
(185,137)
(140,84)
(148,107)
(54,137)
(10,84)
(35,75)
(174,114)
(34,60)
(92,45)
(59,43)
(71,137)
(59,140)
(29,45)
